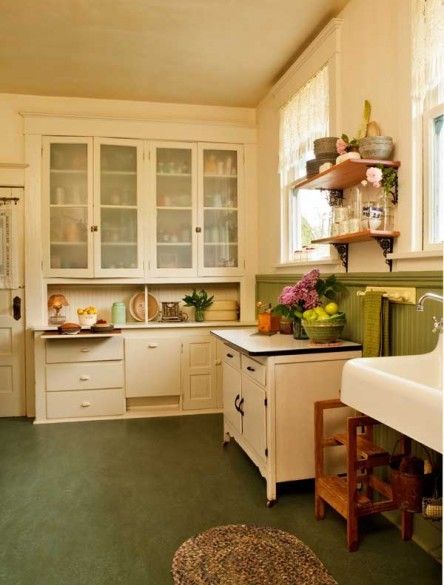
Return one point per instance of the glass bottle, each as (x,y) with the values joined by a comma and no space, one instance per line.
(356,211)
(386,205)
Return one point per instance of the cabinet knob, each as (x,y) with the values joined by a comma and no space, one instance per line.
(218,362)
(85,378)
(230,355)
(198,230)
(250,369)
(85,404)
(85,349)
(153,345)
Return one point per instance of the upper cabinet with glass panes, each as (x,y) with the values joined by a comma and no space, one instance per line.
(196,204)
(108,208)
(91,189)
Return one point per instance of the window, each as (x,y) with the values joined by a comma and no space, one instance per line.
(434,178)
(428,116)
(303,119)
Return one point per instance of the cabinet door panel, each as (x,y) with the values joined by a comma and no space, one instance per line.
(118,245)
(174,203)
(231,394)
(220,186)
(199,373)
(67,206)
(152,367)
(254,419)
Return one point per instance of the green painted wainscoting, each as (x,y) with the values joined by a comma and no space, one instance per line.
(410,333)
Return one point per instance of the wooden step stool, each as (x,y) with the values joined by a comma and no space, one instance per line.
(351,495)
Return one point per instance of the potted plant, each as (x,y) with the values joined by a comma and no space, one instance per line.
(200,301)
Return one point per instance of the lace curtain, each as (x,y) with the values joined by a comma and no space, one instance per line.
(428,52)
(303,119)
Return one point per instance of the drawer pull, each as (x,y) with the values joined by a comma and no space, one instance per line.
(250,369)
(236,406)
(230,355)
(153,345)
(240,407)
(85,404)
(85,378)
(85,349)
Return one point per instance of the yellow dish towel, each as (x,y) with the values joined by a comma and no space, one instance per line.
(376,325)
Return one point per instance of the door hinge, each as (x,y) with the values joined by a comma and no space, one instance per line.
(266,452)
(265,401)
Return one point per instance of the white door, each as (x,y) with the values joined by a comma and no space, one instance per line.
(231,395)
(12,338)
(199,373)
(118,208)
(254,416)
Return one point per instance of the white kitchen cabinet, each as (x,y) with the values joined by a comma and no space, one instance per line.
(270,385)
(152,366)
(92,207)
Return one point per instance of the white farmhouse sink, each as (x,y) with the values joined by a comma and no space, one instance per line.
(403,392)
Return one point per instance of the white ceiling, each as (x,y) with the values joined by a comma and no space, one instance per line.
(217,52)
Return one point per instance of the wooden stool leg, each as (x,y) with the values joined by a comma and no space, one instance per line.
(352,513)
(319,458)
(319,507)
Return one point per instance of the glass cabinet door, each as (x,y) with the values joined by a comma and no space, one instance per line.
(220,211)
(68,195)
(117,210)
(175,208)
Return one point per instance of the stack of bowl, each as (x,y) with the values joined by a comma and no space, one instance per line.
(325,151)
(376,147)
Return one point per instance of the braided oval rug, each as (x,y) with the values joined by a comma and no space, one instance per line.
(247,555)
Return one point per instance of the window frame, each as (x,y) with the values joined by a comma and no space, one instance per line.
(427,168)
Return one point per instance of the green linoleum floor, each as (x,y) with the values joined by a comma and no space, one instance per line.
(109,503)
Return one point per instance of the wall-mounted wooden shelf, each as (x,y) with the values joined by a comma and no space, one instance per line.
(343,175)
(384,239)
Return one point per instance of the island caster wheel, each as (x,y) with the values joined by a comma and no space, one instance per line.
(270,503)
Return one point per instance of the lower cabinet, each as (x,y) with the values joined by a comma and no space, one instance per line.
(199,385)
(269,409)
(152,366)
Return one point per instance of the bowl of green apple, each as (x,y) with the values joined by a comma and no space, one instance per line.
(324,324)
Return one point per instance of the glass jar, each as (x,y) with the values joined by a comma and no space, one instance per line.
(118,313)
(386,204)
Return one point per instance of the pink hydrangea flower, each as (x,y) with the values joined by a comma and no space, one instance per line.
(374,176)
(341,146)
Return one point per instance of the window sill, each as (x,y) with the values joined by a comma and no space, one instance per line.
(313,262)
(415,255)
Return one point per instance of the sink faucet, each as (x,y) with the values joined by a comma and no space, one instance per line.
(438,324)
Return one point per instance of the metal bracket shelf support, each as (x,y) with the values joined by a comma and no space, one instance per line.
(387,248)
(342,250)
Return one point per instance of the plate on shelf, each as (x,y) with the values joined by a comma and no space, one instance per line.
(137,307)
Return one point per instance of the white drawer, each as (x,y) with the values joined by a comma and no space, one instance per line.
(84,350)
(253,369)
(85,403)
(84,376)
(231,356)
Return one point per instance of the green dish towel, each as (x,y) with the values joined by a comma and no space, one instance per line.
(376,325)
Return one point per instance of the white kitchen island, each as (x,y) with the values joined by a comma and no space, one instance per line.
(270,384)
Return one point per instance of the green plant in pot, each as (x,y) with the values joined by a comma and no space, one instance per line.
(200,301)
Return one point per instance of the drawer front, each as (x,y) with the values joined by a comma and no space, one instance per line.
(231,356)
(84,376)
(85,403)
(84,350)
(253,369)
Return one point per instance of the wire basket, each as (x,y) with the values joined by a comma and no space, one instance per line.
(432,508)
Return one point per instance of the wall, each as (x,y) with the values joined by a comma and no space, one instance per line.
(410,334)
(372,62)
